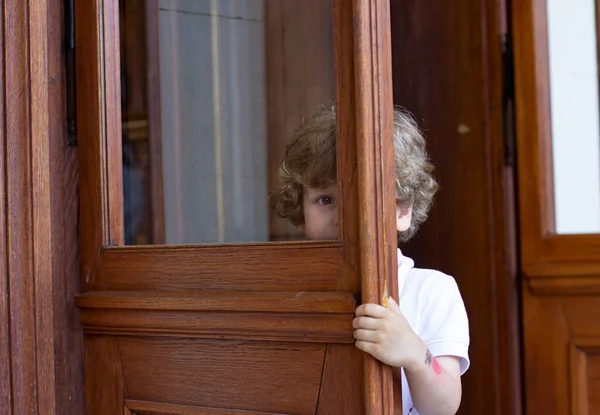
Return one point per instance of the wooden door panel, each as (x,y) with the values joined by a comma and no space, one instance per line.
(264,327)
(561,307)
(342,374)
(158,375)
(562,353)
(133,407)
(105,382)
(224,374)
(301,317)
(296,266)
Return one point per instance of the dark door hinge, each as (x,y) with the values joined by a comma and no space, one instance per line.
(70,72)
(508,101)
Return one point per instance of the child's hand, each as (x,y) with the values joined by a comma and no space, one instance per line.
(385,334)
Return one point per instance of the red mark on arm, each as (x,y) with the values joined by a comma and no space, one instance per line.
(437,368)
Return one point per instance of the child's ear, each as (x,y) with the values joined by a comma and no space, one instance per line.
(403,217)
(302,228)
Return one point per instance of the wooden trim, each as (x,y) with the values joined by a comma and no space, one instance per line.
(533,126)
(94,223)
(543,252)
(377,200)
(18,204)
(579,379)
(300,266)
(41,119)
(160,408)
(328,302)
(298,327)
(568,284)
(111,71)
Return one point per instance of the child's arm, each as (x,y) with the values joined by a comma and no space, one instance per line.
(434,383)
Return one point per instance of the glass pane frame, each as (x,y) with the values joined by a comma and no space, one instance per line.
(363,262)
(544,253)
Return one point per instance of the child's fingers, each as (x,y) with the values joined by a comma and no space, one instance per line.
(371,310)
(366,323)
(394,305)
(365,346)
(366,335)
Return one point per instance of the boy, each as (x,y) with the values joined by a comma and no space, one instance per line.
(426,339)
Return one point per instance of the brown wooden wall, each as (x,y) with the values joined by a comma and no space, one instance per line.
(448,71)
(41,361)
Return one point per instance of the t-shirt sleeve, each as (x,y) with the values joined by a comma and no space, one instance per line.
(445,326)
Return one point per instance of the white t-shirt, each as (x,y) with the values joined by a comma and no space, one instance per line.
(435,311)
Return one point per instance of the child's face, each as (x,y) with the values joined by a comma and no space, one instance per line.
(320,213)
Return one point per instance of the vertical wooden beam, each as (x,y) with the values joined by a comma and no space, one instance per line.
(31,238)
(377,200)
(99,132)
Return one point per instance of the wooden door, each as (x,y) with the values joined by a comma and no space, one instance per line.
(227,328)
(448,69)
(556,68)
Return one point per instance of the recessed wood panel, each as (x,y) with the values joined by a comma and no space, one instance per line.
(562,354)
(304,266)
(585,376)
(342,380)
(256,376)
(105,383)
(593,380)
(161,408)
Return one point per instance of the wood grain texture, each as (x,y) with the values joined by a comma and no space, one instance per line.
(226,374)
(534,133)
(40,187)
(19,254)
(165,369)
(31,316)
(5,352)
(105,380)
(308,266)
(66,266)
(160,408)
(36,274)
(448,73)
(585,376)
(328,302)
(342,379)
(377,200)
(561,346)
(110,64)
(93,206)
(569,285)
(318,328)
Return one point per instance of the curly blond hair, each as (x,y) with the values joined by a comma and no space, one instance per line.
(310,161)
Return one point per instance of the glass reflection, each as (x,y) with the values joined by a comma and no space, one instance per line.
(211,92)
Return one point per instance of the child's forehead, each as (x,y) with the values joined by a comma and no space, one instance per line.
(327,187)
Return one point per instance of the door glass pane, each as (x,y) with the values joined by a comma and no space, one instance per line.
(573,54)
(211,92)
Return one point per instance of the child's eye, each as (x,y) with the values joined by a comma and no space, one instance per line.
(325,200)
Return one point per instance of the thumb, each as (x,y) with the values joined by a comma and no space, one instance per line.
(394,305)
